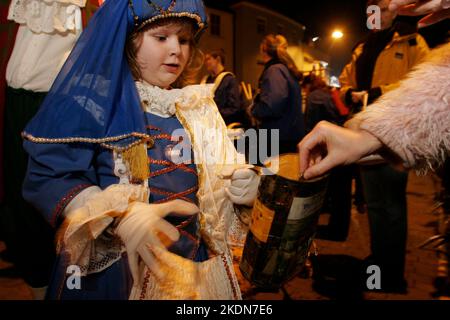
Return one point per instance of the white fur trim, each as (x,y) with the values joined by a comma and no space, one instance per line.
(414,119)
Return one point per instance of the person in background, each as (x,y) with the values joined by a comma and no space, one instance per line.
(278,105)
(226,87)
(409,125)
(320,106)
(377,66)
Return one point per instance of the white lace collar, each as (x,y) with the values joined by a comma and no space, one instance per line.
(162,102)
(155,100)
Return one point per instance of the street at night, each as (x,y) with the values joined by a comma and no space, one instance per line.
(225,150)
(338,261)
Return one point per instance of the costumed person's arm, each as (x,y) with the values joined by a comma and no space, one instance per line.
(143,229)
(56,174)
(61,183)
(243,186)
(273,96)
(139,225)
(47,33)
(413,120)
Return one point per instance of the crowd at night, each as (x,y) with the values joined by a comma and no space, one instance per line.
(224,150)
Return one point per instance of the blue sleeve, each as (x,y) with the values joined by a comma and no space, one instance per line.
(274,94)
(56,174)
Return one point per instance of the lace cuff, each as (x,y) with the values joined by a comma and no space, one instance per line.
(47,16)
(80,200)
(83,238)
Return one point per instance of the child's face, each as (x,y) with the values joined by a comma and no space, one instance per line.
(163,54)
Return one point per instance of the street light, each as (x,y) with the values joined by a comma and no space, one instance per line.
(337,34)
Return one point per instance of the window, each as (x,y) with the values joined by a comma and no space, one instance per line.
(261,25)
(280,29)
(215,24)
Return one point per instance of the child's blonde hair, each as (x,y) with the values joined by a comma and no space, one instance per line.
(190,72)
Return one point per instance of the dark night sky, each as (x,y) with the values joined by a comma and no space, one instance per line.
(317,15)
(321,17)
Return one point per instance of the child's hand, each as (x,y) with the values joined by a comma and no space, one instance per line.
(144,225)
(244,187)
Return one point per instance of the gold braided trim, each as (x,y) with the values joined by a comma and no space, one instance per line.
(104,142)
(201,182)
(137,159)
(188,128)
(194,16)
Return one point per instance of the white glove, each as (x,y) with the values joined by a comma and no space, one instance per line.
(144,225)
(244,187)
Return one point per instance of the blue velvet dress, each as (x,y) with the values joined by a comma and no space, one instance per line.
(58,172)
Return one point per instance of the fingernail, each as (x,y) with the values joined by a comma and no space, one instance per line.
(421,25)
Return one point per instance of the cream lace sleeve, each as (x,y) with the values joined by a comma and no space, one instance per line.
(83,238)
(47,16)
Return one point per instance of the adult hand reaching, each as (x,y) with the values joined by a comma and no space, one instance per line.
(358,96)
(436,10)
(328,146)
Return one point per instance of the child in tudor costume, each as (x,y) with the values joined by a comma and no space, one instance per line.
(109,162)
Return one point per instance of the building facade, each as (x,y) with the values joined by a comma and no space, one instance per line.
(220,34)
(239,32)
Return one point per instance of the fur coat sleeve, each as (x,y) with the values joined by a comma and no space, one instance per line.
(414,120)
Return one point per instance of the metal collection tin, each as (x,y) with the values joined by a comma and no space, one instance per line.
(283,224)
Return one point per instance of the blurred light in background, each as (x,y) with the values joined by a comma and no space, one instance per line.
(337,34)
